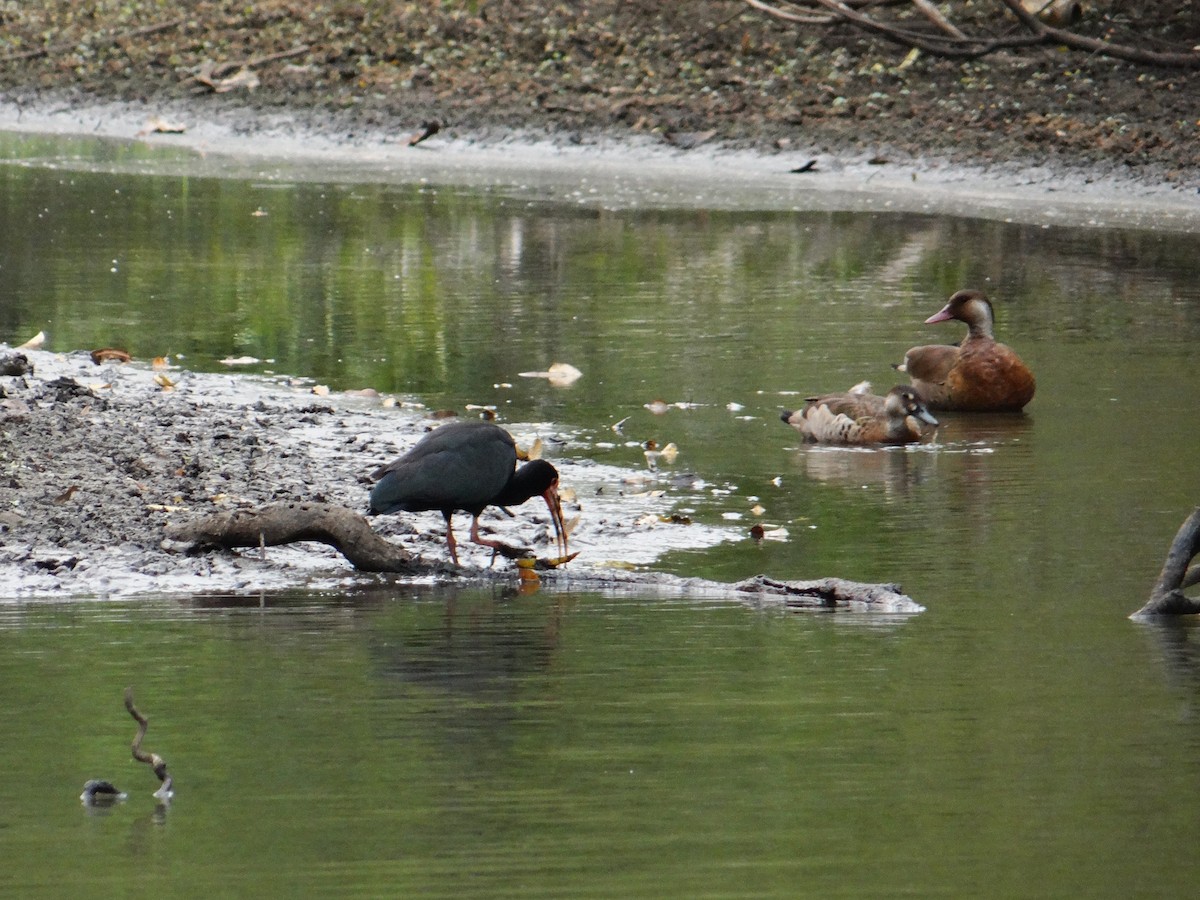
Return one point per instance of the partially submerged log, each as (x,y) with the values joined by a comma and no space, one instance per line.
(832,593)
(287,523)
(1167,597)
(350,533)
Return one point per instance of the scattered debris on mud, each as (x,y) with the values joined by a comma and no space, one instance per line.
(102,462)
(97,460)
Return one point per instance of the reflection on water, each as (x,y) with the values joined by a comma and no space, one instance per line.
(415,739)
(897,472)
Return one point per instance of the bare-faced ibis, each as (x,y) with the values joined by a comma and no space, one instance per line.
(465,466)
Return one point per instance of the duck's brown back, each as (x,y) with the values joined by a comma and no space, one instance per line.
(851,419)
(989,376)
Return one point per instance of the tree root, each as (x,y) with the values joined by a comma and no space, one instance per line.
(1167,597)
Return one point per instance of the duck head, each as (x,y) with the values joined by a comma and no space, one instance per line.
(971,307)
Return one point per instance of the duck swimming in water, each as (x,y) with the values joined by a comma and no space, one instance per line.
(859,418)
(980,374)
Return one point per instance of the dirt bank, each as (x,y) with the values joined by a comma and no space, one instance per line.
(97,459)
(690,75)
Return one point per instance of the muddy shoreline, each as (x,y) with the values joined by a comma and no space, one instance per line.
(609,169)
(98,459)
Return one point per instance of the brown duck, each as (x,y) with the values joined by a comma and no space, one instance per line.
(853,417)
(980,374)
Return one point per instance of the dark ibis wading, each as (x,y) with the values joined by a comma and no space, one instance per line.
(465,466)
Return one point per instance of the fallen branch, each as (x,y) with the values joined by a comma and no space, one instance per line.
(1051,35)
(832,593)
(800,18)
(934,15)
(211,73)
(153,760)
(287,523)
(951,41)
(351,534)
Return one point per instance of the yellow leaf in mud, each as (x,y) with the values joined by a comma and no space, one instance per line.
(162,507)
(34,343)
(669,453)
(160,362)
(321,390)
(647,519)
(240,361)
(243,78)
(388,403)
(164,382)
(553,562)
(758,509)
(913,55)
(96,386)
(159,125)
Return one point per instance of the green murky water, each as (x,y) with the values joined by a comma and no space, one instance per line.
(1020,738)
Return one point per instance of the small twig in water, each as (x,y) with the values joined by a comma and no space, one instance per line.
(153,760)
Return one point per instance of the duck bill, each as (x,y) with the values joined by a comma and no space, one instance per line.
(940,316)
(556,514)
(925,416)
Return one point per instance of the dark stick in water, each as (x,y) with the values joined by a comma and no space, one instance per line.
(153,760)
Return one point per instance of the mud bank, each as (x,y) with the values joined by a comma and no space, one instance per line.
(96,460)
(606,170)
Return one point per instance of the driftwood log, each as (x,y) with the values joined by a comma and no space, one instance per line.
(1167,597)
(828,593)
(287,523)
(350,533)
